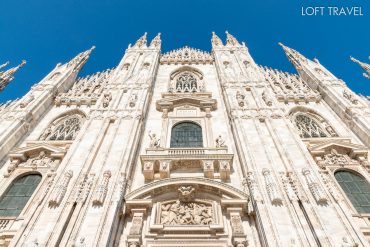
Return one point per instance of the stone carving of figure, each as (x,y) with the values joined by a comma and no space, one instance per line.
(169,213)
(141,76)
(107,98)
(348,243)
(186,193)
(240,98)
(186,213)
(229,71)
(27,100)
(46,133)
(334,158)
(220,142)
(132,100)
(267,98)
(40,161)
(80,243)
(350,96)
(154,141)
(33,243)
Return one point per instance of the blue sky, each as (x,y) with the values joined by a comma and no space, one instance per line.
(47,32)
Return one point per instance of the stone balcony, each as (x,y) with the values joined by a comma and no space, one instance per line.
(158,163)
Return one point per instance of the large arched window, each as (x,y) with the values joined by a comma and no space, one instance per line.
(308,127)
(64,128)
(186,83)
(186,134)
(356,188)
(18,194)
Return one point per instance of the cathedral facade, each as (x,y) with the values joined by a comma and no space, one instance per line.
(188,149)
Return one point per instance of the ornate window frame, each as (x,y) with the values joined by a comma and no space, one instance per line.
(198,121)
(338,155)
(186,70)
(322,123)
(55,122)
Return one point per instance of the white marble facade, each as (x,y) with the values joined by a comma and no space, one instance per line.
(261,174)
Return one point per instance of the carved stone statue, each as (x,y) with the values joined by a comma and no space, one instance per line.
(80,243)
(240,98)
(186,193)
(350,96)
(220,142)
(27,100)
(347,243)
(107,98)
(46,133)
(154,141)
(132,100)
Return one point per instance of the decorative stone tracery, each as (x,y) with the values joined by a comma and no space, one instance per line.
(311,125)
(186,55)
(65,128)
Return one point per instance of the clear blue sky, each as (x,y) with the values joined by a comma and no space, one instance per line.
(47,32)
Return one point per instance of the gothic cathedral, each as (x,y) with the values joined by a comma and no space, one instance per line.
(186,149)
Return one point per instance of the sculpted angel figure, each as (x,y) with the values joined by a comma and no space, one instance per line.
(170,213)
(220,142)
(154,141)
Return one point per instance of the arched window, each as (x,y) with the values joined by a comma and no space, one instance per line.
(308,127)
(186,83)
(18,194)
(186,134)
(63,129)
(356,188)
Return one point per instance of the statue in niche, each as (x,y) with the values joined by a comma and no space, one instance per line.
(220,142)
(47,132)
(229,71)
(350,96)
(348,243)
(80,243)
(29,98)
(240,98)
(132,100)
(154,141)
(107,98)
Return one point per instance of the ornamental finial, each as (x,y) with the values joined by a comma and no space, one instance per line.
(79,61)
(156,42)
(231,40)
(363,65)
(141,41)
(216,41)
(8,75)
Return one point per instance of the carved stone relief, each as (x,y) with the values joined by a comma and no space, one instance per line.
(186,213)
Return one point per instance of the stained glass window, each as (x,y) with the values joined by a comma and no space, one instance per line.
(308,127)
(186,134)
(356,188)
(18,194)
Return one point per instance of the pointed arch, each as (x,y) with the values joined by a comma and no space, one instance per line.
(356,188)
(65,127)
(310,124)
(18,194)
